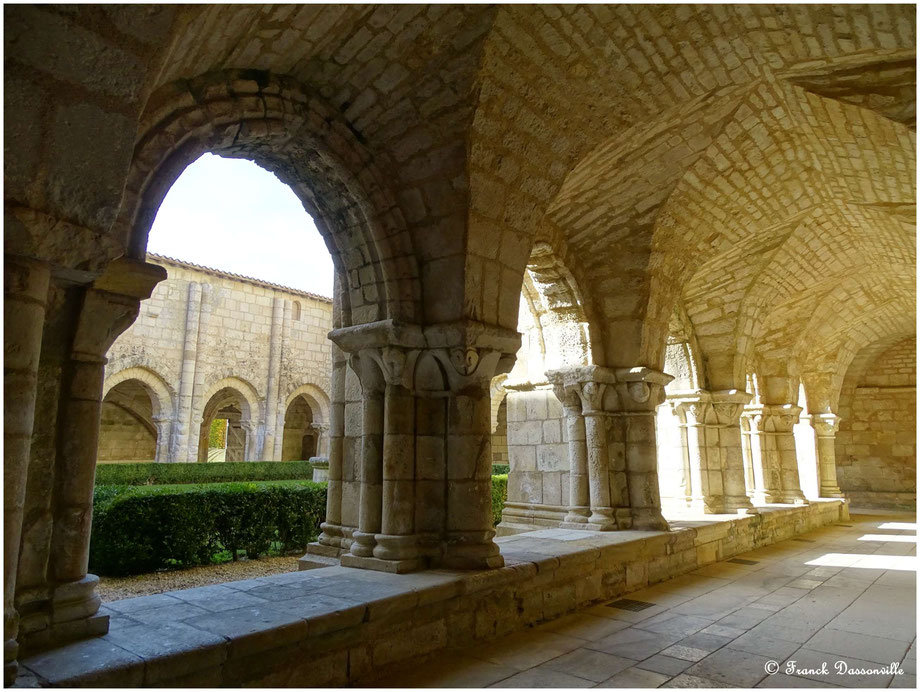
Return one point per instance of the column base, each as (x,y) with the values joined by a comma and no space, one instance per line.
(331,535)
(738,504)
(75,600)
(471,550)
(764,497)
(378,565)
(323,550)
(706,505)
(602,519)
(363,544)
(831,491)
(577,515)
(399,548)
(648,519)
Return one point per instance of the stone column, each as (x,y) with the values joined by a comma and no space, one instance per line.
(182,448)
(25,290)
(196,445)
(164,428)
(397,541)
(322,439)
(425,492)
(109,307)
(619,416)
(826,425)
(776,470)
(639,392)
(599,472)
(330,540)
(274,379)
(579,495)
(369,513)
(712,422)
(251,447)
(468,541)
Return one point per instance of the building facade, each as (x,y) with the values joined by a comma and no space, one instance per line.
(212,345)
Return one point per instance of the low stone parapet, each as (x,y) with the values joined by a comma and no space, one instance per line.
(336,625)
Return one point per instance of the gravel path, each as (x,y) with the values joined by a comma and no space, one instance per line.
(116,588)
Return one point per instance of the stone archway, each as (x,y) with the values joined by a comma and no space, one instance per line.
(127,432)
(140,395)
(236,402)
(301,434)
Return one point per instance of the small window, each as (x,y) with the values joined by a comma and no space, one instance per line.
(296,310)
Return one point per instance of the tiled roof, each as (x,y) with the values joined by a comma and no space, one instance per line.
(237,277)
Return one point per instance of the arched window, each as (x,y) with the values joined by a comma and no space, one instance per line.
(295,311)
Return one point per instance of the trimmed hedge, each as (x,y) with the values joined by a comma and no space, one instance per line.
(150,473)
(499,495)
(500,469)
(146,528)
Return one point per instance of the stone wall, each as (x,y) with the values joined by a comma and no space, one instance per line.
(352,628)
(123,438)
(205,332)
(876,445)
(539,458)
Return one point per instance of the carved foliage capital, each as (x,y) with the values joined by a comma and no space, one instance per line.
(773,419)
(825,424)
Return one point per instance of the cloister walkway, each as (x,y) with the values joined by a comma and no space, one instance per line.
(841,593)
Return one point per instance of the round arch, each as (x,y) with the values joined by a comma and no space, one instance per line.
(161,395)
(225,393)
(316,398)
(249,398)
(281,125)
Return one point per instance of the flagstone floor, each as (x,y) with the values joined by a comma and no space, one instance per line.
(832,608)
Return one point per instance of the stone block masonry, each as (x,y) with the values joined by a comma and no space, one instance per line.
(207,341)
(335,625)
(876,446)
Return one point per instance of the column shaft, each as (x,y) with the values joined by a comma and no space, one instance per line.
(25,290)
(579,493)
(826,426)
(598,470)
(183,449)
(369,513)
(332,533)
(468,541)
(396,540)
(273,379)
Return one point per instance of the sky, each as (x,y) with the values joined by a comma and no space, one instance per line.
(230,214)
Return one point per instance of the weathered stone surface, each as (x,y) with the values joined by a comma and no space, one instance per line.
(721,193)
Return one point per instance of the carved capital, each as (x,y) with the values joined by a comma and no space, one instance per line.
(111,304)
(825,424)
(582,388)
(641,388)
(773,418)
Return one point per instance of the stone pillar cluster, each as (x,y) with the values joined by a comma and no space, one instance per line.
(772,449)
(424,485)
(610,420)
(58,332)
(710,426)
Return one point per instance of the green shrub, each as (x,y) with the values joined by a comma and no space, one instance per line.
(169,474)
(145,528)
(500,469)
(499,495)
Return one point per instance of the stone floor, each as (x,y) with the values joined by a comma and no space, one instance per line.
(840,597)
